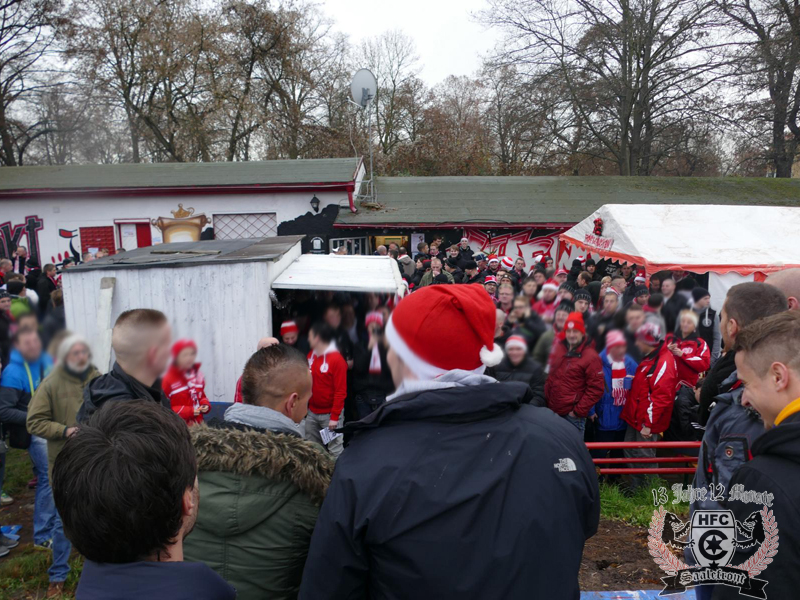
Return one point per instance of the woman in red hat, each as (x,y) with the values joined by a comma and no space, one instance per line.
(184,384)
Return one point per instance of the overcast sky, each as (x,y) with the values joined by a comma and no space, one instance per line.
(449,40)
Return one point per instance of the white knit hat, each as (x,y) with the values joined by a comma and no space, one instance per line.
(67,344)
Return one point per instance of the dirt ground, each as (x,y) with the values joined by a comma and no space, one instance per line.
(617,559)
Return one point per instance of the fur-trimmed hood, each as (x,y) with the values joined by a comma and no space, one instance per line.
(274,456)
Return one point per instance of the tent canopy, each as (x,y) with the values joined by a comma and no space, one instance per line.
(342,273)
(700,238)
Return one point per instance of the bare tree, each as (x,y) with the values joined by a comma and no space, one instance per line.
(630,68)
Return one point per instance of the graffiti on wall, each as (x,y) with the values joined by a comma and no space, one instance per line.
(526,244)
(11,237)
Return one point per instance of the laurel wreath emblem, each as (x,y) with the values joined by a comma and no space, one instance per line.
(671,564)
(658,550)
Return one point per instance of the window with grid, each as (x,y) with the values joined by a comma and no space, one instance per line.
(252,225)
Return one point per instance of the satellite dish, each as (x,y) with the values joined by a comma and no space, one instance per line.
(364,87)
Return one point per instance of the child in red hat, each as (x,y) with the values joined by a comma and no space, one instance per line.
(184,384)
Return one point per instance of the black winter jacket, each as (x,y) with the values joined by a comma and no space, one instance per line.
(528,371)
(117,385)
(775,469)
(463,493)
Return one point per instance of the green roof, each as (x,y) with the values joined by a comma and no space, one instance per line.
(518,201)
(171,175)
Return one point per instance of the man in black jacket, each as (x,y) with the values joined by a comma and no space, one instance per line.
(455,487)
(768,363)
(141,341)
(519,366)
(45,286)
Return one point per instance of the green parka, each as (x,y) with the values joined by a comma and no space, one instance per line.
(260,494)
(54,406)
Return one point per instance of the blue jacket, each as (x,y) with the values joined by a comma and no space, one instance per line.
(608,414)
(152,580)
(467,492)
(15,386)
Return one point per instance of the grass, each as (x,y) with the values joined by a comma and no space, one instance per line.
(23,573)
(637,508)
(19,472)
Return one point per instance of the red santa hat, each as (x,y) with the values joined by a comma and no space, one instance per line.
(562,272)
(374,317)
(464,241)
(517,341)
(537,258)
(650,334)
(181,345)
(582,259)
(289,327)
(490,279)
(550,285)
(464,314)
(507,263)
(493,258)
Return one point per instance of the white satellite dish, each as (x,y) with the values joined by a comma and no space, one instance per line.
(364,87)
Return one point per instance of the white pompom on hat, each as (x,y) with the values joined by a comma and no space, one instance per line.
(463,314)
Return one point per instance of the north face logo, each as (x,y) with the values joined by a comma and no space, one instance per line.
(564,465)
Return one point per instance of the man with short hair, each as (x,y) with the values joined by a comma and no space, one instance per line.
(436,269)
(451,268)
(87,257)
(649,406)
(261,484)
(505,298)
(406,263)
(619,283)
(422,252)
(51,420)
(603,321)
(708,320)
(787,281)
(329,386)
(575,380)
(381,251)
(142,343)
(634,318)
(768,364)
(674,303)
(5,268)
(126,488)
(453,523)
(652,311)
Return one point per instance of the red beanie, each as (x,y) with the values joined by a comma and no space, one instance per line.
(463,314)
(289,327)
(181,345)
(575,321)
(507,262)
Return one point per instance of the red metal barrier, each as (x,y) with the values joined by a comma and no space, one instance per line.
(644,460)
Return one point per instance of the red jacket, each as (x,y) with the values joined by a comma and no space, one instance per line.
(328,382)
(696,357)
(186,390)
(652,392)
(575,381)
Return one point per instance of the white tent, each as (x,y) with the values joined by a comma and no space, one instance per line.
(731,243)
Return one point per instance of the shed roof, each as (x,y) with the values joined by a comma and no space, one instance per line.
(342,273)
(192,254)
(178,175)
(526,201)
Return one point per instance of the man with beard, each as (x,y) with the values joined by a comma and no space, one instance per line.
(51,420)
(126,488)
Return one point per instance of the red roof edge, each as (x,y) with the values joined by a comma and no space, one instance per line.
(344,186)
(453,225)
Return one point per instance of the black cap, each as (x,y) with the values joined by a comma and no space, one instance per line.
(699,293)
(4,294)
(590,262)
(441,278)
(583,294)
(452,262)
(640,290)
(567,306)
(471,264)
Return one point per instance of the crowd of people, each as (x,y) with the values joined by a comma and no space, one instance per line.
(384,447)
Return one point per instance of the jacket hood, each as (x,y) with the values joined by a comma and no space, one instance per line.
(278,457)
(782,440)
(458,404)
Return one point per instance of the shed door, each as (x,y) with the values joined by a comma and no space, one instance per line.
(245,226)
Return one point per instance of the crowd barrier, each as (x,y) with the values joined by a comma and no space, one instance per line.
(632,470)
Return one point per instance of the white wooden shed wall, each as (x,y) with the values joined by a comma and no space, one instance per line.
(224,307)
